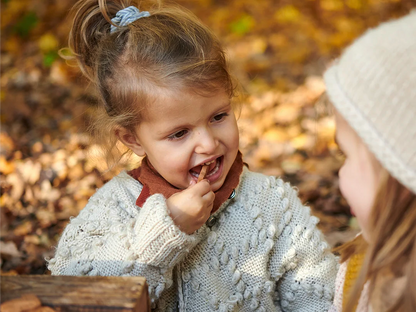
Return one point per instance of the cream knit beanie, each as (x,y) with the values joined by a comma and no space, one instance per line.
(373,86)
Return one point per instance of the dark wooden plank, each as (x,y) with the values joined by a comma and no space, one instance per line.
(80,293)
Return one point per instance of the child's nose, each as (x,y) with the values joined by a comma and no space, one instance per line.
(206,142)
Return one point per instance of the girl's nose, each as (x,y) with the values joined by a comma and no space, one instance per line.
(206,142)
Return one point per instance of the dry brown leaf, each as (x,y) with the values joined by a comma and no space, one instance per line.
(286,113)
(6,143)
(17,183)
(276,134)
(23,229)
(6,167)
(30,171)
(22,304)
(9,250)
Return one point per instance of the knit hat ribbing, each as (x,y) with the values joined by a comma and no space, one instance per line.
(373,86)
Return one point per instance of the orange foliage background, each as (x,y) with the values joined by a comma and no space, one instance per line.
(278,50)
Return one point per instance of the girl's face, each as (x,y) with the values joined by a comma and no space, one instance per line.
(182,131)
(358,177)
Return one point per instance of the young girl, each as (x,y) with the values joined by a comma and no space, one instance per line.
(234,241)
(373,89)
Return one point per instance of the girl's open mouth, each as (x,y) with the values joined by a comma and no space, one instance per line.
(212,172)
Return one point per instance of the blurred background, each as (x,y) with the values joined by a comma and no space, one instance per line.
(278,51)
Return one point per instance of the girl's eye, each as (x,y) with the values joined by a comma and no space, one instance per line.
(178,135)
(220,117)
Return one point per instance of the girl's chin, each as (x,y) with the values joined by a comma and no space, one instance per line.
(216,186)
(219,183)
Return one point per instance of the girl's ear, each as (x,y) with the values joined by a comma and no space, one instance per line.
(131,141)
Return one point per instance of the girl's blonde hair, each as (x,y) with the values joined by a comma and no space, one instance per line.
(392,250)
(170,49)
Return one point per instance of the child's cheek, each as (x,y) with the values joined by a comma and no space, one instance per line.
(342,180)
(346,185)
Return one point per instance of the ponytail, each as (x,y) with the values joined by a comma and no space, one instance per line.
(90,26)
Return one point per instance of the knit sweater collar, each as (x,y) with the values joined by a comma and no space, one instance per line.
(154,183)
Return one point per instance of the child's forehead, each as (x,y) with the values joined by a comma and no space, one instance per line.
(342,128)
(176,98)
(346,137)
(181,102)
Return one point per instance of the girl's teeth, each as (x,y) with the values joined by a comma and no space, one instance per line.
(214,170)
(207,164)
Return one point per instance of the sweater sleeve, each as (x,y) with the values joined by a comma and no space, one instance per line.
(113,237)
(301,261)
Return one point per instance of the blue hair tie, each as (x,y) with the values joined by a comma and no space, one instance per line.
(127,16)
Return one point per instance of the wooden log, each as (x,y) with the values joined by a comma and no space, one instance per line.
(80,293)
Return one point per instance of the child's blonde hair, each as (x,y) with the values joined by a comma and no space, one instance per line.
(392,228)
(170,49)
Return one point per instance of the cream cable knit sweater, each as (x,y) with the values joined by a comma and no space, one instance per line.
(261,251)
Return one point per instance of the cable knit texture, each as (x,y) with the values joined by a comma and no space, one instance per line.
(373,87)
(261,251)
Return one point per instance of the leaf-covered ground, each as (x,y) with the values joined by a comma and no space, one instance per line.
(277,50)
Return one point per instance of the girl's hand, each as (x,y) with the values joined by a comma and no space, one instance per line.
(191,208)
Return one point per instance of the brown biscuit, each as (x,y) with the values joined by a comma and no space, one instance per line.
(203,173)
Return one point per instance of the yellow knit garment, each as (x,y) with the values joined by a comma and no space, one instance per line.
(353,269)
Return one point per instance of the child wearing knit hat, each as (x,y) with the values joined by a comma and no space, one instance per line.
(373,89)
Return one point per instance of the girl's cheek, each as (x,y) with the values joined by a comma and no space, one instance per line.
(342,180)
(347,189)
